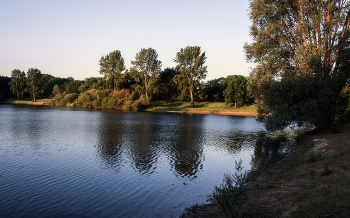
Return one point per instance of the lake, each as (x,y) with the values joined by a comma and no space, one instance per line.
(69,162)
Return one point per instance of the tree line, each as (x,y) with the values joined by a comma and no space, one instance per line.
(302,54)
(134,88)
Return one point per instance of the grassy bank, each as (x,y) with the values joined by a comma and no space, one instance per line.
(313,181)
(26,101)
(202,108)
(176,107)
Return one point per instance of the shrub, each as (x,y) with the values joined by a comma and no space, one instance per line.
(232,194)
(71,97)
(140,103)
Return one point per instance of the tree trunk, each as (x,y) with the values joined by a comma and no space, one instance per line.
(192,100)
(235,104)
(34,92)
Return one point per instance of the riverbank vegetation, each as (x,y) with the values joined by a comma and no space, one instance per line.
(133,89)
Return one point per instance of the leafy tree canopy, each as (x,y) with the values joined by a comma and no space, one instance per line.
(190,64)
(236,90)
(302,53)
(112,66)
(17,84)
(34,82)
(146,68)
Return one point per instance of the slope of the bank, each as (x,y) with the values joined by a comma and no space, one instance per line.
(312,181)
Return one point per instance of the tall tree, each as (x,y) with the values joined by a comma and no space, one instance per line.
(236,90)
(33,82)
(146,68)
(112,67)
(302,53)
(190,63)
(17,83)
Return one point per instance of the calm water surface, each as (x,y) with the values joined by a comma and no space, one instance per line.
(66,162)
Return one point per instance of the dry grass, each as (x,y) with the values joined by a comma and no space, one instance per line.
(27,101)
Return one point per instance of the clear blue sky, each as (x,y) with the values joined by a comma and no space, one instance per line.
(68,37)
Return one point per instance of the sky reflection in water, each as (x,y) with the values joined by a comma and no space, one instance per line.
(72,162)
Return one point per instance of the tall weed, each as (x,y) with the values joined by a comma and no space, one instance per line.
(232,194)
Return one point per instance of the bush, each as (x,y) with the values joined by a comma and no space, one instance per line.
(232,194)
(71,97)
(140,103)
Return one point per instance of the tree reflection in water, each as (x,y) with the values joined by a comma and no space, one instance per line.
(186,150)
(268,149)
(142,139)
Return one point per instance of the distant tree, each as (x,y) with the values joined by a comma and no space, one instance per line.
(166,88)
(72,86)
(97,83)
(17,83)
(190,64)
(214,89)
(112,67)
(33,82)
(146,68)
(302,53)
(5,90)
(236,91)
(47,82)
(55,90)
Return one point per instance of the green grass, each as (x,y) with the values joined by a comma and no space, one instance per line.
(199,106)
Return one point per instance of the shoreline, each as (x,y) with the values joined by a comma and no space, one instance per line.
(187,110)
(228,113)
(311,181)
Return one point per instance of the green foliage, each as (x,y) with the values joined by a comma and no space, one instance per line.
(342,110)
(18,82)
(146,68)
(34,83)
(93,83)
(112,66)
(236,90)
(190,65)
(5,90)
(165,87)
(214,89)
(302,55)
(55,90)
(110,99)
(232,194)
